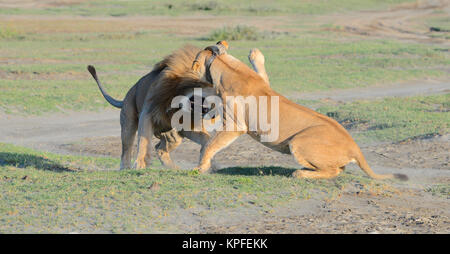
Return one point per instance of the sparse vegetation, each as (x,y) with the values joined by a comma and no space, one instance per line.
(179,7)
(44,192)
(9,32)
(439,26)
(441,190)
(394,119)
(205,6)
(234,34)
(47,77)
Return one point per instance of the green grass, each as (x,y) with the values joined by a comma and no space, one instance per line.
(179,7)
(48,72)
(243,32)
(394,119)
(441,23)
(44,192)
(21,157)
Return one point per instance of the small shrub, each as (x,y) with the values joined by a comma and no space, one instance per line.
(442,190)
(208,6)
(242,181)
(120,36)
(8,32)
(234,34)
(194,172)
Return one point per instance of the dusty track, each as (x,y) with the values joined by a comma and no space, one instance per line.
(402,22)
(55,132)
(179,25)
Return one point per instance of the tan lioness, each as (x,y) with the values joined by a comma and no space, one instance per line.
(318,142)
(169,78)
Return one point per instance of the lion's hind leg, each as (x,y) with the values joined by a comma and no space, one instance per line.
(145,133)
(317,174)
(322,166)
(129,125)
(256,58)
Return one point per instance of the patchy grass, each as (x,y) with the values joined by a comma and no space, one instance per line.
(21,157)
(234,34)
(44,192)
(243,32)
(394,119)
(439,26)
(9,32)
(441,190)
(178,7)
(47,72)
(45,60)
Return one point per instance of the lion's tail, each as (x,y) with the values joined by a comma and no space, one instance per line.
(111,100)
(361,161)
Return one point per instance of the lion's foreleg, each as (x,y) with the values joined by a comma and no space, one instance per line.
(218,142)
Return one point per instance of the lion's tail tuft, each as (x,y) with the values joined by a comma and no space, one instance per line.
(361,161)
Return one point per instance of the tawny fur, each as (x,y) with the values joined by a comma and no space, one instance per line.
(317,142)
(176,77)
(151,97)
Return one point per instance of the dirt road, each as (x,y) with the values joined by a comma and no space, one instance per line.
(400,22)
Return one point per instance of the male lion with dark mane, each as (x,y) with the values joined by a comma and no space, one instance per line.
(147,105)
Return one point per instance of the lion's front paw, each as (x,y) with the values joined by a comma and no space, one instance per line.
(201,169)
(140,164)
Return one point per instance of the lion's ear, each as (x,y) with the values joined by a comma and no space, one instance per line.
(196,66)
(223,43)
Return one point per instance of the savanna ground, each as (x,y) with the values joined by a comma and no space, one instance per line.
(381,68)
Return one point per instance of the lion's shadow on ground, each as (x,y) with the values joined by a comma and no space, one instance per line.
(255,171)
(28,160)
